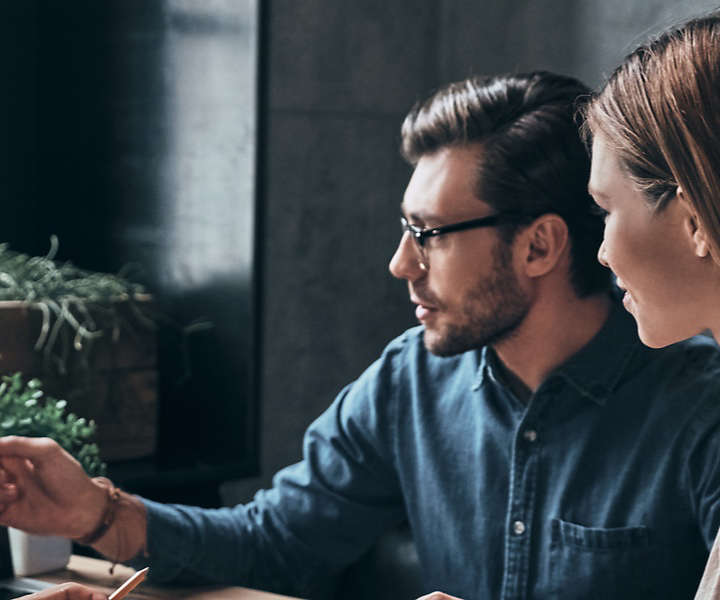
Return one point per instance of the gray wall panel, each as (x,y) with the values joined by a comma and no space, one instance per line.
(341,77)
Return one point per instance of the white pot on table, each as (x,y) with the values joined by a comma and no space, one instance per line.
(32,554)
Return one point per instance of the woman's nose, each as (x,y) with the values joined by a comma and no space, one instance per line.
(601,255)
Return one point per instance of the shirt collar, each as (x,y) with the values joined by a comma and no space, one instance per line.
(595,370)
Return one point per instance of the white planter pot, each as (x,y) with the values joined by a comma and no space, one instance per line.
(32,554)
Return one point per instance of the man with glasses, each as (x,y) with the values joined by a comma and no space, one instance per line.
(534,446)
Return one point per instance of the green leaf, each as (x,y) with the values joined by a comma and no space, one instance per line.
(27,411)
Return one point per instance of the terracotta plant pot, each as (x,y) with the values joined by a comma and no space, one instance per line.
(113,382)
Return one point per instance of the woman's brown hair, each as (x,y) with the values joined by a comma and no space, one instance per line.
(660,112)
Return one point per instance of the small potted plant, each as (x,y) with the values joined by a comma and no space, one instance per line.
(90,338)
(26,411)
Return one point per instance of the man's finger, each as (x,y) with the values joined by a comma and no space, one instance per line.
(32,448)
(17,469)
(9,493)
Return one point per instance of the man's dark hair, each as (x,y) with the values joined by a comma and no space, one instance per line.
(533,160)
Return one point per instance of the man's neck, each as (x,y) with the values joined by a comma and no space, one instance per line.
(550,334)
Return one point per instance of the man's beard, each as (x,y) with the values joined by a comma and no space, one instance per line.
(492,310)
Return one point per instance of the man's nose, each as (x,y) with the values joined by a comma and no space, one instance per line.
(406,263)
(602,256)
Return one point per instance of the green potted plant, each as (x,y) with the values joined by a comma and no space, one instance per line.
(88,336)
(26,411)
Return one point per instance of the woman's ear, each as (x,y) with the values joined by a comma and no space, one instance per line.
(693,227)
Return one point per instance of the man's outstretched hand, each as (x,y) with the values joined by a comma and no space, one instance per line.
(44,490)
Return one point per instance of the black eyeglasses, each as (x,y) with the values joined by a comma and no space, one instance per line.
(420,235)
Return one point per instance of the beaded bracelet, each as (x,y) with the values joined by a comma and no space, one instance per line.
(113,495)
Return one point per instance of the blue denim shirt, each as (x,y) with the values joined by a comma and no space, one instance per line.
(605,484)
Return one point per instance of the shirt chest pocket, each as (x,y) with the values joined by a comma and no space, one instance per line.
(593,562)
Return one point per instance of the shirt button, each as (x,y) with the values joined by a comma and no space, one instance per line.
(530,435)
(518,527)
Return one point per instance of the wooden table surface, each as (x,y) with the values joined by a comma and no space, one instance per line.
(95,573)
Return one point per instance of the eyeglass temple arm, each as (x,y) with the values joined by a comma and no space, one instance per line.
(473,223)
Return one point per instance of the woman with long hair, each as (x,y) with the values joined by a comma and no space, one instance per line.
(655,129)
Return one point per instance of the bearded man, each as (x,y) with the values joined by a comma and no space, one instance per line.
(535,447)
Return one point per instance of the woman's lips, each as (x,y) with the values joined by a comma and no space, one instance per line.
(627,299)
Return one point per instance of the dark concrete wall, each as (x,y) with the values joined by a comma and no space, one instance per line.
(341,77)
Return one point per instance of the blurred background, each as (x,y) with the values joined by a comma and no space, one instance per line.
(245,155)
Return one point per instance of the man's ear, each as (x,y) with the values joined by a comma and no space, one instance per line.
(546,241)
(693,227)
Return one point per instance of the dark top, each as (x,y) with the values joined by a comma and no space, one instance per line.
(605,483)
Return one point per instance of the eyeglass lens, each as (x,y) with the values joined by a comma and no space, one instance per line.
(415,235)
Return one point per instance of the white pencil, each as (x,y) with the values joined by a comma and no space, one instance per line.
(135,580)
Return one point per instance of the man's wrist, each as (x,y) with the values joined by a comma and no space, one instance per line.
(90,510)
(126,537)
(107,518)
